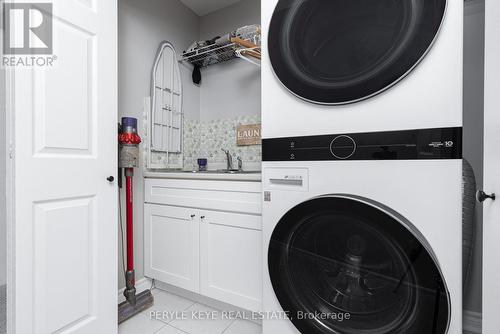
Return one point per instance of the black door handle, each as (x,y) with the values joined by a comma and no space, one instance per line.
(481,196)
(111,179)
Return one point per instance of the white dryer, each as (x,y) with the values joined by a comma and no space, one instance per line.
(334,66)
(363,233)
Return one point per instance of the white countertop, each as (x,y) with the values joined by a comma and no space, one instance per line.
(251,176)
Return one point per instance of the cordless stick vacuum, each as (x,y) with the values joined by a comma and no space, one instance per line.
(129,142)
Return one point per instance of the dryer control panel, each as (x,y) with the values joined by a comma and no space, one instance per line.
(442,143)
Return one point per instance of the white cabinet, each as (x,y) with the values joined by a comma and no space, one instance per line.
(172,245)
(206,237)
(230,258)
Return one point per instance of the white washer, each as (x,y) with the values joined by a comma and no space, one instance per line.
(363,233)
(355,66)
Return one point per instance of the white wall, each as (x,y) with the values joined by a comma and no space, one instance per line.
(3,226)
(230,89)
(142,25)
(473,131)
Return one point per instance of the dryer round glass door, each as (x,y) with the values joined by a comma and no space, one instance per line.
(343,51)
(343,265)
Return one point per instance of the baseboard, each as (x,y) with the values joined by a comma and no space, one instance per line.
(472,322)
(216,304)
(141,285)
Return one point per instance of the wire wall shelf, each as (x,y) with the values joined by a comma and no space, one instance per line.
(242,43)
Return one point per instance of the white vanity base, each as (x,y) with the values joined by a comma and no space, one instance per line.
(205,236)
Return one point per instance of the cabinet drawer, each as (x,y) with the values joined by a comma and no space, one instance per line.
(234,196)
(229,219)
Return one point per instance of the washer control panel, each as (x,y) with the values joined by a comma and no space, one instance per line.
(442,143)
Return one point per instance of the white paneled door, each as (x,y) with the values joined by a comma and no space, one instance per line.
(64,120)
(491,243)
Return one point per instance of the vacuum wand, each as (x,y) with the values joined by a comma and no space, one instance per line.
(129,142)
(130,273)
(129,174)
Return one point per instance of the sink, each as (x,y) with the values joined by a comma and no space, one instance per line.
(223,171)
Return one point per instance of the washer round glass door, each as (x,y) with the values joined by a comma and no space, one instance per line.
(342,265)
(343,51)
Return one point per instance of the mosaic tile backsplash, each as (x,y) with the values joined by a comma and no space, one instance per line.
(206,140)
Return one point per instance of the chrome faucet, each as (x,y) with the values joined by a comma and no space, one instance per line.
(240,164)
(229,159)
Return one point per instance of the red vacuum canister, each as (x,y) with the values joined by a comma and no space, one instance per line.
(129,151)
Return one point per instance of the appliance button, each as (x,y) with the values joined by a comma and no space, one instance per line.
(343,147)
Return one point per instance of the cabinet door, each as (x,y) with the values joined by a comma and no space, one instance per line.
(231,258)
(172,245)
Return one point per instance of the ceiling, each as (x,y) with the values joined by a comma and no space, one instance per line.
(204,7)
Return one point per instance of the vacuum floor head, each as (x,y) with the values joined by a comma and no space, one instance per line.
(143,301)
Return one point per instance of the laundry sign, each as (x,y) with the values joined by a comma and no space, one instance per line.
(247,135)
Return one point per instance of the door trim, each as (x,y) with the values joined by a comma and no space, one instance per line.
(491,210)
(10,195)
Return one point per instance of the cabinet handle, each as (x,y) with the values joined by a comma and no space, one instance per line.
(192,216)
(202,217)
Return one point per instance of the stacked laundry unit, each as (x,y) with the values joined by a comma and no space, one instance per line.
(362,151)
